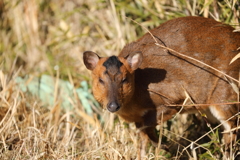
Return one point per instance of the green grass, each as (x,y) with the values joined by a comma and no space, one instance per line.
(37,36)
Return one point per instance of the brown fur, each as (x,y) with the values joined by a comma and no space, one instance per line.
(157,77)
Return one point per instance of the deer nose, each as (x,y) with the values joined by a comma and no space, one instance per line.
(113,107)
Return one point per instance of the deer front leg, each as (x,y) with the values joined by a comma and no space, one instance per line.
(147,127)
(146,133)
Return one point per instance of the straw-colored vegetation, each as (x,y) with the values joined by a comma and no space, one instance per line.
(48,37)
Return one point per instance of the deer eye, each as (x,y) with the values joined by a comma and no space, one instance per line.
(124,80)
(101,81)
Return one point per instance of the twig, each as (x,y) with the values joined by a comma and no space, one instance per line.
(189,105)
(197,61)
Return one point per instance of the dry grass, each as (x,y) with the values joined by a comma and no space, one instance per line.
(49,37)
(30,130)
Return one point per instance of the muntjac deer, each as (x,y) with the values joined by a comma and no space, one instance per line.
(141,84)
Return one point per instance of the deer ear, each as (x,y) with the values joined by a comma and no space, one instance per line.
(90,59)
(134,60)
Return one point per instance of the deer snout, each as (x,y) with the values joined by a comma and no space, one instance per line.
(113,106)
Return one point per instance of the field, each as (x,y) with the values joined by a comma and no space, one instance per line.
(47,110)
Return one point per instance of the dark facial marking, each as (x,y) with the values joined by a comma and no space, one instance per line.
(112,65)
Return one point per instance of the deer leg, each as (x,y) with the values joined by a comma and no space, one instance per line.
(225,115)
(146,133)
